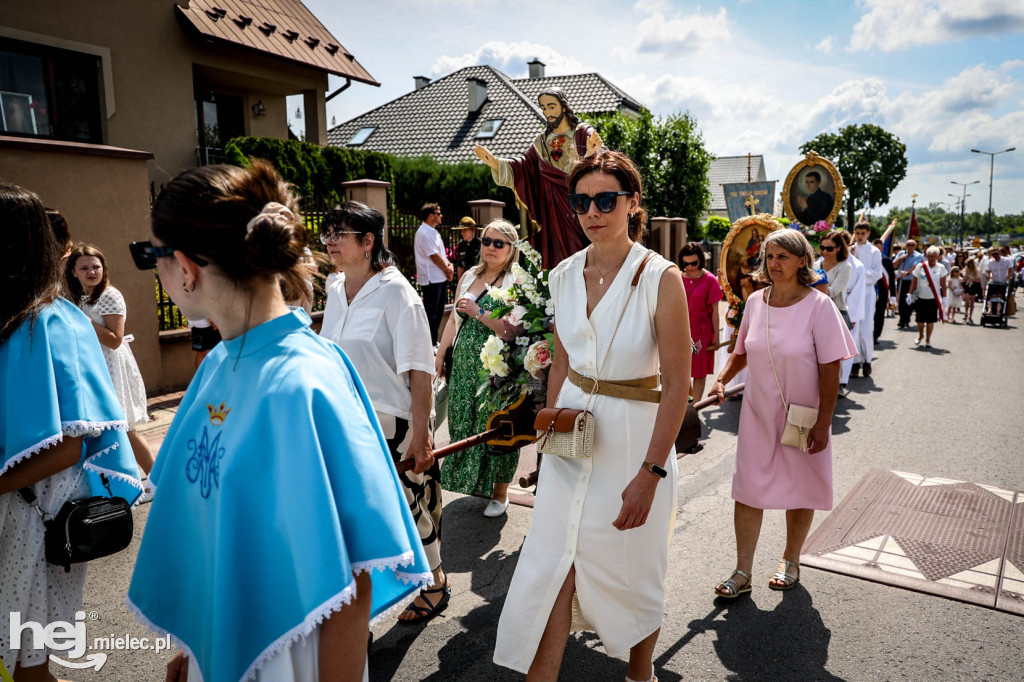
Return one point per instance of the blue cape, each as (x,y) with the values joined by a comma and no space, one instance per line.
(54,382)
(274,484)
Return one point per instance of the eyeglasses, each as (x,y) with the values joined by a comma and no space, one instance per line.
(830,249)
(333,237)
(580,203)
(691,263)
(146,253)
(496,243)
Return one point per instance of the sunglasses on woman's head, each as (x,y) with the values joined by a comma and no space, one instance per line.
(496,243)
(580,203)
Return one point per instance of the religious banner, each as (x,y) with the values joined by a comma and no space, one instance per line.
(749,198)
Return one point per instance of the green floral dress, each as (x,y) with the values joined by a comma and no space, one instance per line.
(473,471)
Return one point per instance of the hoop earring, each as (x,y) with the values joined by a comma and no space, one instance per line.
(186,289)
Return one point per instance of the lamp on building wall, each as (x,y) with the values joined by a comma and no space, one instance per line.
(298,113)
(258,109)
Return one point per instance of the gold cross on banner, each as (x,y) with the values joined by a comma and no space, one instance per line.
(750,203)
(913,198)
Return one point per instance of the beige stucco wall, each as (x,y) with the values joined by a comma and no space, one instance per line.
(155,60)
(106,202)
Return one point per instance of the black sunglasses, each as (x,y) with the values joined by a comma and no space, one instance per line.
(691,263)
(580,203)
(145,254)
(496,243)
(828,248)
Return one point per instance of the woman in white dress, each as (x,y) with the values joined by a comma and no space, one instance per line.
(598,561)
(89,282)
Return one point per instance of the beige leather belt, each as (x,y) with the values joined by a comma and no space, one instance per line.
(644,389)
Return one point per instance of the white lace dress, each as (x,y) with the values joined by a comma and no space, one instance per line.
(39,591)
(124,371)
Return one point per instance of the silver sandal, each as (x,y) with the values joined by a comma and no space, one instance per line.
(732,588)
(783,576)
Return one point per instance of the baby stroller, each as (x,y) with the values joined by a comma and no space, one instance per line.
(995,311)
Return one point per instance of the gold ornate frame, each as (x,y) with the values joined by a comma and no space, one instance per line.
(763,220)
(812,159)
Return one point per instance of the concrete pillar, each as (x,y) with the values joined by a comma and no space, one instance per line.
(485,210)
(716,256)
(661,236)
(314,106)
(678,235)
(373,193)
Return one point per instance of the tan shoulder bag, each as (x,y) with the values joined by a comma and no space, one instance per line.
(799,419)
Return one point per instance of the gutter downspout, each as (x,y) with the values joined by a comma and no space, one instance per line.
(343,88)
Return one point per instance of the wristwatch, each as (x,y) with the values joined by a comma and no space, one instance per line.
(480,314)
(654,469)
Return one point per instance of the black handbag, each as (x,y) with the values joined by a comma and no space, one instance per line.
(85,529)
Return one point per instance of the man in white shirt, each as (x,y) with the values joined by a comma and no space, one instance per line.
(863,335)
(433,271)
(855,306)
(999,268)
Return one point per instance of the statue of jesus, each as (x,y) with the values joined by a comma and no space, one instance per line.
(540,179)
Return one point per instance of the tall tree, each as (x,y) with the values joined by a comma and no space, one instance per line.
(871,160)
(670,155)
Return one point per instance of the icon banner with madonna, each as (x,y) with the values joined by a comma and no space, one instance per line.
(741,256)
(813,191)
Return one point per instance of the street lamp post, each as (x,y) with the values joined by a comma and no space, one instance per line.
(991,171)
(963,200)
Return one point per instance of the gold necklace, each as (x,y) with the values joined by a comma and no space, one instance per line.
(605,274)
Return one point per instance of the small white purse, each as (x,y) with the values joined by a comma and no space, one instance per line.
(799,419)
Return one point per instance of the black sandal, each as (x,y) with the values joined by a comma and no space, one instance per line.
(423,613)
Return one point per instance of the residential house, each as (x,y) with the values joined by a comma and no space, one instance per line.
(100,101)
(445,118)
(726,170)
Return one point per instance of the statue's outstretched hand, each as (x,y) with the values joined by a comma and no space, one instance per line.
(594,143)
(485,156)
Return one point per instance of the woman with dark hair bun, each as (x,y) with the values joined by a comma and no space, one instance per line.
(274,475)
(62,431)
(379,320)
(598,561)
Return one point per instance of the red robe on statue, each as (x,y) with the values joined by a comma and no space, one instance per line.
(544,189)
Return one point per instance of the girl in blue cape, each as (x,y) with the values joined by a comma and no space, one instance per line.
(279,526)
(62,430)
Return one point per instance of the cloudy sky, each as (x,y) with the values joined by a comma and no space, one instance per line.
(763,77)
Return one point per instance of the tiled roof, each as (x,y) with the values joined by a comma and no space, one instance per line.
(281,28)
(729,169)
(435,120)
(588,92)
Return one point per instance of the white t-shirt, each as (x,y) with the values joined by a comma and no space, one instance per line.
(923,290)
(428,242)
(1000,269)
(384,332)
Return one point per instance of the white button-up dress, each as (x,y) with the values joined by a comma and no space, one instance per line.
(620,575)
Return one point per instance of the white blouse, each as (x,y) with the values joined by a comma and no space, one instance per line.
(838,281)
(384,332)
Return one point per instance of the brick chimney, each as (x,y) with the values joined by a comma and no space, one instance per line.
(421,81)
(536,68)
(477,93)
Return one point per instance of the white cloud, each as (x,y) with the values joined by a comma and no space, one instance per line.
(825,46)
(678,33)
(890,25)
(510,58)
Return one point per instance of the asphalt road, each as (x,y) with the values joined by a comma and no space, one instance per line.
(953,412)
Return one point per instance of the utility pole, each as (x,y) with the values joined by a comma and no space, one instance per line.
(963,200)
(991,172)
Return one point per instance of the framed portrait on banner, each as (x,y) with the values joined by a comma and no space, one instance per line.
(741,253)
(813,191)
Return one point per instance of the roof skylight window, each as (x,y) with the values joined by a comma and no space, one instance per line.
(489,128)
(361,136)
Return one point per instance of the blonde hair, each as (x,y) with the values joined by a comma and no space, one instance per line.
(971,266)
(508,233)
(933,251)
(795,243)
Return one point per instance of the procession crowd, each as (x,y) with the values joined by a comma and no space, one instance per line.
(297,497)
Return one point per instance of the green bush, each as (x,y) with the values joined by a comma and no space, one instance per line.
(314,170)
(716,228)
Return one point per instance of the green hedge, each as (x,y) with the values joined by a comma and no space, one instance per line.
(422,179)
(314,170)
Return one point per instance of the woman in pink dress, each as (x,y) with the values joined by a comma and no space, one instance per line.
(808,339)
(703,292)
